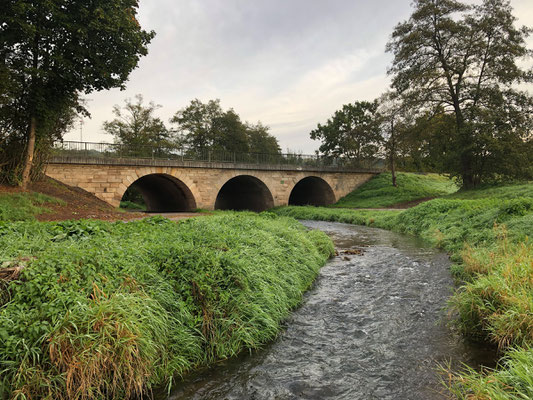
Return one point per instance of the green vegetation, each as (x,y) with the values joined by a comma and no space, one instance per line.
(130,205)
(512,382)
(110,310)
(383,219)
(378,192)
(496,192)
(487,232)
(24,206)
(44,43)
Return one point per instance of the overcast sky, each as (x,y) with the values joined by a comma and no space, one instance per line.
(288,63)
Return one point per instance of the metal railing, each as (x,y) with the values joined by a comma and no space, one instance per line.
(78,150)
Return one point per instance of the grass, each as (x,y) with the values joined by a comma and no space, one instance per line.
(130,205)
(112,310)
(24,206)
(487,233)
(379,192)
(514,381)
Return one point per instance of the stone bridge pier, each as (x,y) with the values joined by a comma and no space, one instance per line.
(190,186)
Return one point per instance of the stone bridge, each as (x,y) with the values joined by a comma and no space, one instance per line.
(176,185)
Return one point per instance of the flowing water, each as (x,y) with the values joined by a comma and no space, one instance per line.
(372,327)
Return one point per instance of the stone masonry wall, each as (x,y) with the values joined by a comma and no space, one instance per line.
(109,182)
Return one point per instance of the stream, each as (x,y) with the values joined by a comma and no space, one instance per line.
(373,326)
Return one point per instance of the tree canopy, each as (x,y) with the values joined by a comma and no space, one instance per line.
(352,132)
(206,126)
(463,60)
(55,51)
(137,129)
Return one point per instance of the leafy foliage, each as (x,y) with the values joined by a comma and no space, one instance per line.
(136,128)
(463,60)
(353,132)
(110,310)
(206,126)
(52,53)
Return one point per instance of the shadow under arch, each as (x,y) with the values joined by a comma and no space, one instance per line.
(313,191)
(244,192)
(163,193)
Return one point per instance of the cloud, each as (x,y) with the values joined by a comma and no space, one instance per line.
(290,64)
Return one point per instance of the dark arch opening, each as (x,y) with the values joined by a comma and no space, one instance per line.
(312,191)
(244,193)
(161,193)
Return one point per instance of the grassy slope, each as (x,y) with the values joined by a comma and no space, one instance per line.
(24,206)
(487,231)
(378,192)
(117,308)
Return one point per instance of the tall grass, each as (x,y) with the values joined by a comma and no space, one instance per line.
(110,310)
(514,381)
(379,192)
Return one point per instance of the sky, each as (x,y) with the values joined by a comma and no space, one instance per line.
(287,63)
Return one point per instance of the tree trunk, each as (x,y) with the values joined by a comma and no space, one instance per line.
(466,156)
(28,161)
(392,154)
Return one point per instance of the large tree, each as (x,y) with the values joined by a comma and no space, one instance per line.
(53,51)
(137,129)
(353,132)
(206,126)
(464,60)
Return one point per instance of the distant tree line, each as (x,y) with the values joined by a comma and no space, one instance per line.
(455,104)
(199,127)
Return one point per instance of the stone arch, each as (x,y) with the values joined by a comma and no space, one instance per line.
(244,192)
(313,191)
(163,192)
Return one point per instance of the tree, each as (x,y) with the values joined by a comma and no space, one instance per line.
(136,128)
(54,51)
(206,126)
(392,116)
(463,59)
(425,142)
(196,124)
(353,132)
(230,134)
(260,141)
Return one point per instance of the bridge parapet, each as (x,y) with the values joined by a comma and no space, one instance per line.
(69,152)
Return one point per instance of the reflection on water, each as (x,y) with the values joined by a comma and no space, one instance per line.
(372,327)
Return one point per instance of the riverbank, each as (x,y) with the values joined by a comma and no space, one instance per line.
(486,233)
(411,189)
(96,309)
(51,200)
